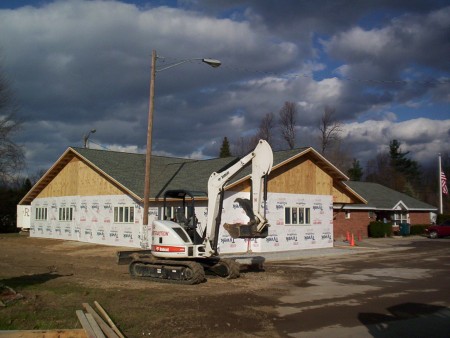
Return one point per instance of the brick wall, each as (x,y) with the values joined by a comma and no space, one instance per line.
(357,223)
(419,217)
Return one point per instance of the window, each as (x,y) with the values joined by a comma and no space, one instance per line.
(123,214)
(399,217)
(66,214)
(347,214)
(296,216)
(41,214)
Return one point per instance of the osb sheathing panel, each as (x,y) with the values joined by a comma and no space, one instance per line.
(303,176)
(342,195)
(78,179)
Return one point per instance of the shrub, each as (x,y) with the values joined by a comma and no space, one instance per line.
(418,229)
(379,229)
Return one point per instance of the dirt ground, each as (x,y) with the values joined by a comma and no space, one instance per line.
(56,277)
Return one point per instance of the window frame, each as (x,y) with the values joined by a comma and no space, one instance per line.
(399,217)
(124,214)
(41,214)
(295,216)
(65,214)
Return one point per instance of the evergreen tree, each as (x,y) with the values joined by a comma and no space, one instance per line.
(225,148)
(406,172)
(402,164)
(355,172)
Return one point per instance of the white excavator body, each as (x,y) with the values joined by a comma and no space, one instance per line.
(180,254)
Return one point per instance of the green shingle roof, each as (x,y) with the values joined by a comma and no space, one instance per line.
(168,173)
(127,170)
(383,198)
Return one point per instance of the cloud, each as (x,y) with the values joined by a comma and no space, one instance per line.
(423,137)
(78,65)
(420,40)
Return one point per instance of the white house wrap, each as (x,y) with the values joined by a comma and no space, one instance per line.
(95,196)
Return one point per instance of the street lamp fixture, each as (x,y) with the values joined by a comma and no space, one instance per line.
(211,62)
(86,137)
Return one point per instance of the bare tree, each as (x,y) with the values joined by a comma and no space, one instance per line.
(242,146)
(266,128)
(339,154)
(287,119)
(379,170)
(330,129)
(11,155)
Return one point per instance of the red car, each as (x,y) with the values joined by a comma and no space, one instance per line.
(439,230)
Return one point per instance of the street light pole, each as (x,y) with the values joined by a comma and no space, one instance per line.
(144,229)
(86,137)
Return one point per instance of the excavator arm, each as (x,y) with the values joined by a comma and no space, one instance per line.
(262,160)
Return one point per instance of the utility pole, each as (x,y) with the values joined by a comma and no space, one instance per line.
(441,206)
(148,155)
(144,228)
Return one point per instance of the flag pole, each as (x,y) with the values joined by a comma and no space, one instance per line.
(440,186)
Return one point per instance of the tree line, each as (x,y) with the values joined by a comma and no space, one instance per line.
(392,167)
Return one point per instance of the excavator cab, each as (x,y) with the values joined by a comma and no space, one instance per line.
(184,213)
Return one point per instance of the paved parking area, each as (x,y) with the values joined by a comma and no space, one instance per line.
(394,287)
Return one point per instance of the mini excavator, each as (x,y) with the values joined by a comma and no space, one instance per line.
(181,254)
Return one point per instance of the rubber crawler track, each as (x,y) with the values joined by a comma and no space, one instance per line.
(232,266)
(197,272)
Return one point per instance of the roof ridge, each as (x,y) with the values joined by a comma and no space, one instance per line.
(77,149)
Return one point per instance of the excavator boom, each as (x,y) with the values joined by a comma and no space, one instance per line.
(262,161)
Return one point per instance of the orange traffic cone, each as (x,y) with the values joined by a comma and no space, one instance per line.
(352,241)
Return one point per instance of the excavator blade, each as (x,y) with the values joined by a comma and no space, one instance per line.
(239,230)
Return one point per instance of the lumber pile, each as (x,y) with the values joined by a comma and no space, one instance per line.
(93,326)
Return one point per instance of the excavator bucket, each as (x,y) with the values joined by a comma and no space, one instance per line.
(239,230)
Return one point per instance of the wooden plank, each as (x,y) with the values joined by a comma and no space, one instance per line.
(63,333)
(94,325)
(85,324)
(105,328)
(108,319)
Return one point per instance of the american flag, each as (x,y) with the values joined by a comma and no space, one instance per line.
(444,183)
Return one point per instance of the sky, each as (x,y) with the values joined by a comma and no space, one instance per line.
(74,66)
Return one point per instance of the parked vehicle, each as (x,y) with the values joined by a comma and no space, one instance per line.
(439,230)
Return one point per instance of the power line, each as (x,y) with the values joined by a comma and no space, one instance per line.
(431,81)
(106,148)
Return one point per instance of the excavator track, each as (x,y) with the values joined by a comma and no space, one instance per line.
(226,268)
(167,271)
